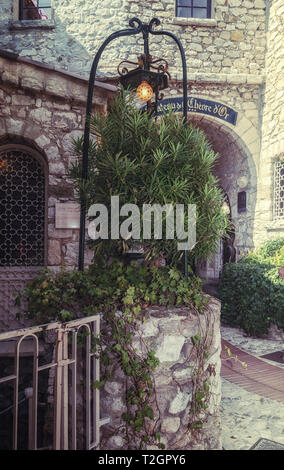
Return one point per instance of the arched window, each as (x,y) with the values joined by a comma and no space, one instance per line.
(22,207)
(193,8)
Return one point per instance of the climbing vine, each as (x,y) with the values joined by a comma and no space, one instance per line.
(121,294)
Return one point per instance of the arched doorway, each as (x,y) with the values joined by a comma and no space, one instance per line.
(22,224)
(236,175)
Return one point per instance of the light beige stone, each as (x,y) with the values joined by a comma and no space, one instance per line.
(237,36)
(54,252)
(22,100)
(41,116)
(170,425)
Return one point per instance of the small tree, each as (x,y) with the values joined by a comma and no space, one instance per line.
(145,161)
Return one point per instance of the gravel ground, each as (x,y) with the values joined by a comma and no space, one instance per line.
(248,417)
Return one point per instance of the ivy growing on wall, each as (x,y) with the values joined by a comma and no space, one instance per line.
(121,294)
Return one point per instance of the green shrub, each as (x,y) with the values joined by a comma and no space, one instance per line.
(271,253)
(144,161)
(252,292)
(105,287)
(271,247)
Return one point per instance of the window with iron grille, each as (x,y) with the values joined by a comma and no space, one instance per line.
(22,208)
(279,190)
(34,9)
(193,8)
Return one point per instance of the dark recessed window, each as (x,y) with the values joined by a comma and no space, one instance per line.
(193,8)
(34,9)
(22,209)
(242,201)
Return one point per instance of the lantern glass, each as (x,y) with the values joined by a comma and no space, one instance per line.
(144,91)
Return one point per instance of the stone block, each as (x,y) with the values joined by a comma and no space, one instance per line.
(52,153)
(14,126)
(32,78)
(41,116)
(22,100)
(237,36)
(170,425)
(58,233)
(64,120)
(179,403)
(42,141)
(114,388)
(57,168)
(71,257)
(11,74)
(169,348)
(54,252)
(58,86)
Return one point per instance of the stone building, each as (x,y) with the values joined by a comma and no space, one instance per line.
(234,53)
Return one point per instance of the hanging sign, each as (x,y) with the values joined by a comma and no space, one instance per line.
(199,105)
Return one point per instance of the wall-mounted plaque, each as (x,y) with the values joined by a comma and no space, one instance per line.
(67,215)
(199,105)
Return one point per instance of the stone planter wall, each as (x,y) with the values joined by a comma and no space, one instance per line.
(169,333)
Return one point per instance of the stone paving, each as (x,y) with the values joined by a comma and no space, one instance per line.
(247,417)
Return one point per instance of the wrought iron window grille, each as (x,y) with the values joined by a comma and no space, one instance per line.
(34,9)
(22,209)
(278,190)
(193,8)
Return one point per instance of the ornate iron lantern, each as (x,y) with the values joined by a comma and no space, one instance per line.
(145,81)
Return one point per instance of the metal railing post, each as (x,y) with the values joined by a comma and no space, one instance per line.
(58,392)
(29,397)
(64,420)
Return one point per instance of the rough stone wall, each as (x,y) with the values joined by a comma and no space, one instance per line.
(233,41)
(272,124)
(273,112)
(225,61)
(169,333)
(44,110)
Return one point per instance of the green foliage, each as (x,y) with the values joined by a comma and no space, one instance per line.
(252,291)
(271,253)
(121,293)
(144,161)
(109,285)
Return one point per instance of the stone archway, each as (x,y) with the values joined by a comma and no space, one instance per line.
(236,172)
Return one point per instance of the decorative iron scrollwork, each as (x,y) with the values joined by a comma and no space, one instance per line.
(144,60)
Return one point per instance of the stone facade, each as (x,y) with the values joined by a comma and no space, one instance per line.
(43,110)
(234,58)
(169,333)
(233,41)
(272,144)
